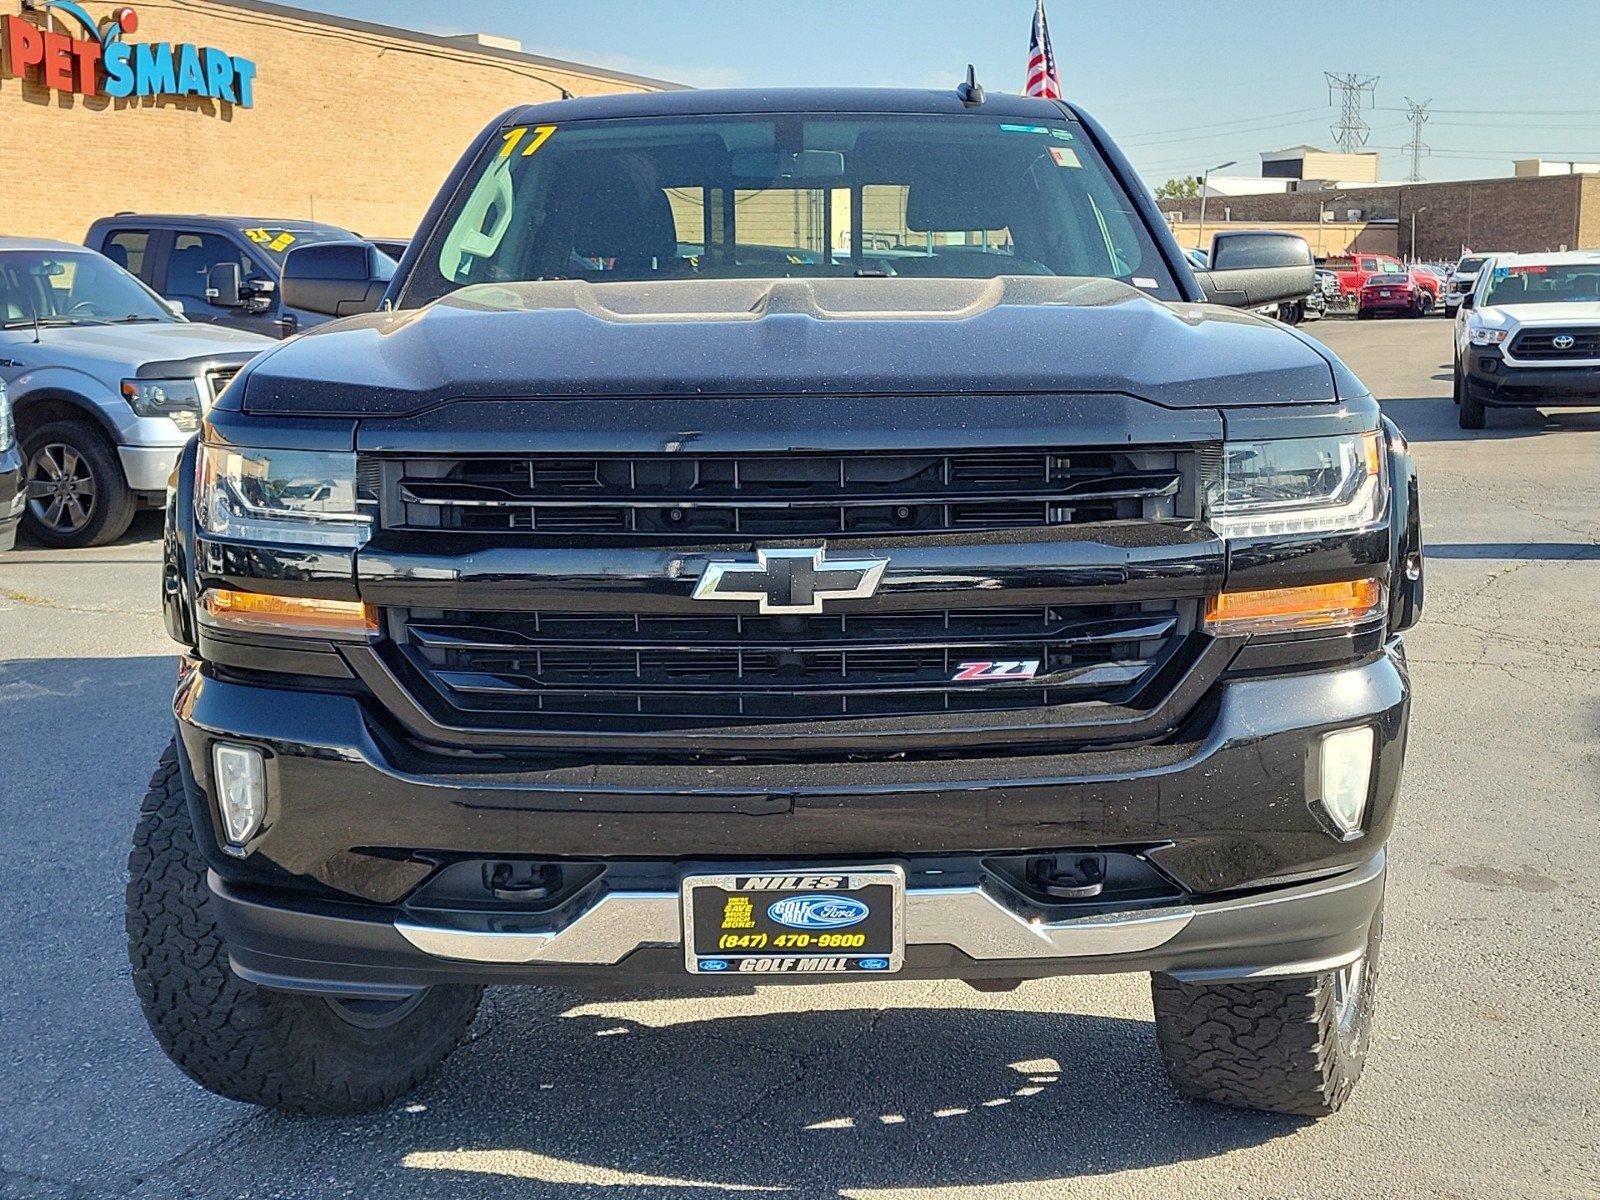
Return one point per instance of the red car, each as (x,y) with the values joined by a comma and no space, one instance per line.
(1395,293)
(1432,285)
(1354,270)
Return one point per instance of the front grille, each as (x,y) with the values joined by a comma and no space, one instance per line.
(218,378)
(667,671)
(1539,344)
(652,498)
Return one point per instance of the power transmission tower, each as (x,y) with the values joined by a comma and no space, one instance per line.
(1351,131)
(1417,114)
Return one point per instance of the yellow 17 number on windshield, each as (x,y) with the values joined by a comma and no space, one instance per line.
(513,138)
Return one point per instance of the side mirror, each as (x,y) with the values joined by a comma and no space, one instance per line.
(1467,301)
(1252,268)
(336,279)
(223,284)
(175,307)
(258,295)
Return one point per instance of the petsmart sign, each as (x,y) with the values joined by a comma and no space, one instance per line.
(68,52)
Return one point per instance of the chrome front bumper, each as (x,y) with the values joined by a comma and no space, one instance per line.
(978,923)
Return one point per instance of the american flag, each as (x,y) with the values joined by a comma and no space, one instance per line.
(1042,77)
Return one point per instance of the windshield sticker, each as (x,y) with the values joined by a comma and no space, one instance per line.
(1061,135)
(513,138)
(1532,270)
(1065,156)
(1140,281)
(276,240)
(1039,129)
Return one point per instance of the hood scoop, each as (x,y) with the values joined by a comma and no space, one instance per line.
(820,299)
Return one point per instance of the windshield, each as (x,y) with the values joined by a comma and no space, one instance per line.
(1540,284)
(278,241)
(57,288)
(789,196)
(1470,266)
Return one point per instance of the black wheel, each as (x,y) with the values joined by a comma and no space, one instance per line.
(1363,314)
(1455,382)
(1293,314)
(1280,1045)
(1473,414)
(77,494)
(300,1054)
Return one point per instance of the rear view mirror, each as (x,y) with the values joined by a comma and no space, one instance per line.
(336,279)
(814,165)
(1251,268)
(223,285)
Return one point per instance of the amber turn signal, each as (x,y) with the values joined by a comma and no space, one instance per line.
(1284,610)
(257,612)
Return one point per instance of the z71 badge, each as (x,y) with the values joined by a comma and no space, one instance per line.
(988,672)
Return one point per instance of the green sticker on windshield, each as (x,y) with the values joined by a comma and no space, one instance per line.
(1039,129)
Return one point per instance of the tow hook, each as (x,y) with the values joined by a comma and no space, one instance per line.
(522,883)
(1080,880)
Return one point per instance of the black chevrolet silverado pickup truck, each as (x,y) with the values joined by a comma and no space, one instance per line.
(780,537)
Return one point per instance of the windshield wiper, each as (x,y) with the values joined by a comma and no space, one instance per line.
(132,319)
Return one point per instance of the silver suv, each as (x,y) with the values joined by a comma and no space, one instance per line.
(107,382)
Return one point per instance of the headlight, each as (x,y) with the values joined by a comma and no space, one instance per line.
(300,497)
(175,398)
(8,425)
(1487,337)
(1300,485)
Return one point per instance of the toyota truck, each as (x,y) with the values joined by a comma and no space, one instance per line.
(972,591)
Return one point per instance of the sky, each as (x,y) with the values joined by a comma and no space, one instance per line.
(1181,85)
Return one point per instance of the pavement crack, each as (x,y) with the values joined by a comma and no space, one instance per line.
(33,601)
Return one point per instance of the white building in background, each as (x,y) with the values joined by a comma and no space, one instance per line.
(1244,185)
(1529,168)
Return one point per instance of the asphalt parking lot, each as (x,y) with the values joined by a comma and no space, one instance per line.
(1484,1079)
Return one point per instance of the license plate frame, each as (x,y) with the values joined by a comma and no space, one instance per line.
(704,902)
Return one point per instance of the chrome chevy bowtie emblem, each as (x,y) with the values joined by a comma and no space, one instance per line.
(1563,341)
(791,581)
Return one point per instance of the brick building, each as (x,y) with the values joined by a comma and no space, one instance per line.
(1512,214)
(347,121)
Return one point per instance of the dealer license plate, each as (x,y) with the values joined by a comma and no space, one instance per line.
(848,920)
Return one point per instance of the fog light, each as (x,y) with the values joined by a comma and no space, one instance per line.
(1346,776)
(241,781)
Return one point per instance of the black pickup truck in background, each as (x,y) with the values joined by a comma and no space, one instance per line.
(780,537)
(222,270)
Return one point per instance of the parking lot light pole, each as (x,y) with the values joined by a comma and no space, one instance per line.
(1414,213)
(1205,179)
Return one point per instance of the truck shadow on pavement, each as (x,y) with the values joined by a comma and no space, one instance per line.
(1433,419)
(683,1091)
(557,1096)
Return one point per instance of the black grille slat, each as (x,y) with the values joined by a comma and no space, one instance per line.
(1539,344)
(797,495)
(754,669)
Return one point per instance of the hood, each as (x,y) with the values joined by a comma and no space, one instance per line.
(790,337)
(1547,313)
(129,347)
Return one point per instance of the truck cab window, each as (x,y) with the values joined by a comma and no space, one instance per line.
(629,200)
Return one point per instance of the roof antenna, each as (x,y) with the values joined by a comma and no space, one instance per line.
(970,93)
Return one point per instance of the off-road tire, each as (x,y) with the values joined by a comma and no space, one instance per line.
(1277,1045)
(1473,414)
(293,1053)
(114,503)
